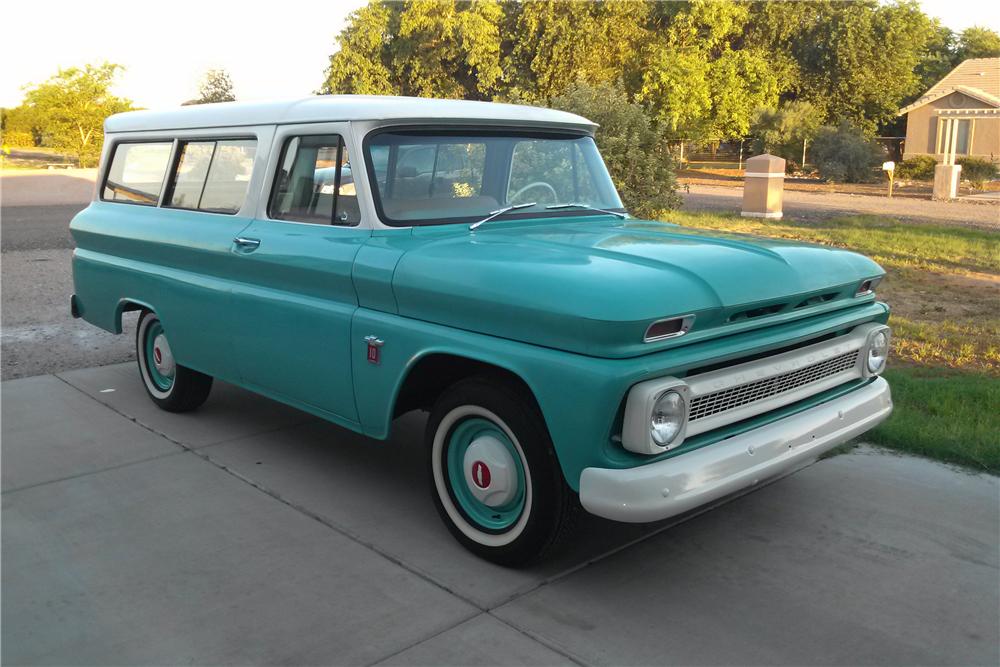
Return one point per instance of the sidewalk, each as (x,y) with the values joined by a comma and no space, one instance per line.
(251,533)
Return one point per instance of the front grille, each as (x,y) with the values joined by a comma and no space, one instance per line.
(744,394)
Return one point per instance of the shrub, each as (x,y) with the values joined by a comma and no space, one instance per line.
(786,131)
(917,168)
(977,171)
(844,154)
(632,143)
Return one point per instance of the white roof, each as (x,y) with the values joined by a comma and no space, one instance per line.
(328,108)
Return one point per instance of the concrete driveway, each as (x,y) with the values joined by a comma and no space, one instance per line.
(251,533)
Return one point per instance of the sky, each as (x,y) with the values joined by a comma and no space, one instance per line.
(270,49)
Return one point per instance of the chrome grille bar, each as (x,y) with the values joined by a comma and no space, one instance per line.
(751,392)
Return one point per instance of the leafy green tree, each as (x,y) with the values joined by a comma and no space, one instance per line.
(448,49)
(632,143)
(701,78)
(858,60)
(215,86)
(701,66)
(71,107)
(676,86)
(561,43)
(20,127)
(422,48)
(361,65)
(939,58)
(977,42)
(787,131)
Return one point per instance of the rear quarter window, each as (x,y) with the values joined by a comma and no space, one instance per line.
(136,173)
(212,176)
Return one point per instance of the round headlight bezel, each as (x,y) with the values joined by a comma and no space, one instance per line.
(877,351)
(668,433)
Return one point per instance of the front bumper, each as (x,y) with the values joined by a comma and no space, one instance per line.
(673,486)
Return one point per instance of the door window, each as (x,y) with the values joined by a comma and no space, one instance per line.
(315,182)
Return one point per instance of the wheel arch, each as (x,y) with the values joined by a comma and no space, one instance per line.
(128,305)
(432,372)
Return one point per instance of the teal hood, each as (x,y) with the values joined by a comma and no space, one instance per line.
(592,285)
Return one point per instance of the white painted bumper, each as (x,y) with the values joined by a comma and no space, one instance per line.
(674,486)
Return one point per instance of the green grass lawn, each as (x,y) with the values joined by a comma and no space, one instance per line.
(943,285)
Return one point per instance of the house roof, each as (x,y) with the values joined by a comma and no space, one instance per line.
(975,77)
(325,108)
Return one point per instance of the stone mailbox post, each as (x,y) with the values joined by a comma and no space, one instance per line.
(763,187)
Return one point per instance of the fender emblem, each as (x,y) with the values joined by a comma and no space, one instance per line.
(374,348)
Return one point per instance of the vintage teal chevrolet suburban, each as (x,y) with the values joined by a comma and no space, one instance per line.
(361,257)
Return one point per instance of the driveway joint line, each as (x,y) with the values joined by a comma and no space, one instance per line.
(429,637)
(544,641)
(89,473)
(559,576)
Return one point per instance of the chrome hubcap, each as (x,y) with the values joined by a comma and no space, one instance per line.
(490,471)
(163,358)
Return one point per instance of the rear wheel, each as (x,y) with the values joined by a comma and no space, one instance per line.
(495,478)
(172,387)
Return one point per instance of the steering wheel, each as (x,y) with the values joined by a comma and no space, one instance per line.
(536,184)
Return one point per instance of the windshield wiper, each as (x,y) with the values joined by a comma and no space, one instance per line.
(589,208)
(500,211)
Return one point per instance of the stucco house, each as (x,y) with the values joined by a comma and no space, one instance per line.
(963,108)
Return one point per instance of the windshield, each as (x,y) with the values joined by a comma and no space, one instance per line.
(443,177)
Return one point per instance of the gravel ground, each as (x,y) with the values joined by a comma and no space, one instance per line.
(38,334)
(979,214)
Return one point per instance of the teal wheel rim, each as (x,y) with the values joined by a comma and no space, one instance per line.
(489,519)
(162,382)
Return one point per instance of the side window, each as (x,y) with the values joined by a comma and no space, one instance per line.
(136,173)
(212,176)
(315,182)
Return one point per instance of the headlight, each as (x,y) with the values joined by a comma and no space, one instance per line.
(878,351)
(667,419)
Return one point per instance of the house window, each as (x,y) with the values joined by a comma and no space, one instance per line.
(962,137)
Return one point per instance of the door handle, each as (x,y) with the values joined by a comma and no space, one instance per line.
(244,244)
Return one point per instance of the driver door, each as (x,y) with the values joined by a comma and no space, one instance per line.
(296,298)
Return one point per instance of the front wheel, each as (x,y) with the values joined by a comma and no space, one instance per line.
(495,478)
(172,387)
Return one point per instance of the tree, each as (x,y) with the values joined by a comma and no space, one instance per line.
(857,60)
(700,76)
(631,142)
(20,127)
(448,49)
(977,42)
(361,65)
(561,43)
(786,131)
(216,86)
(71,107)
(422,48)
